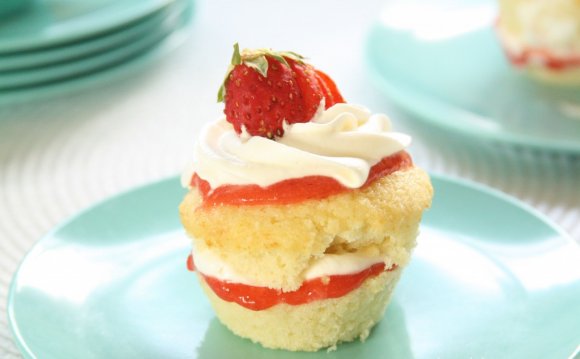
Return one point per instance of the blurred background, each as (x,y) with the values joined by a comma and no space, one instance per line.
(97,97)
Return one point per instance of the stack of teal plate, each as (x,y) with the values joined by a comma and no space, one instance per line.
(53,45)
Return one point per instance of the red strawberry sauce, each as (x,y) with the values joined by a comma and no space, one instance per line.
(260,298)
(292,190)
(550,61)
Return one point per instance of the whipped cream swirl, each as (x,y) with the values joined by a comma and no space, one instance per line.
(342,142)
(552,26)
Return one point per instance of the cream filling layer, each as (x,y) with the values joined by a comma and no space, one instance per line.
(209,264)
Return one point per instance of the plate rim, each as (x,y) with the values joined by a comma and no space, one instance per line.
(409,104)
(466,183)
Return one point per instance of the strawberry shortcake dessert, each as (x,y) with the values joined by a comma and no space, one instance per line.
(303,209)
(543,37)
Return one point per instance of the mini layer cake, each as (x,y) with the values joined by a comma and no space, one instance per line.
(543,36)
(301,227)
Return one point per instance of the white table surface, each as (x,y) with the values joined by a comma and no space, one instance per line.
(61,155)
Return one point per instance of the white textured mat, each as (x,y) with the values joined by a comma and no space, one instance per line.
(61,155)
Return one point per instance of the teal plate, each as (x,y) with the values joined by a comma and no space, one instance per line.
(130,63)
(490,278)
(37,76)
(83,49)
(442,62)
(50,22)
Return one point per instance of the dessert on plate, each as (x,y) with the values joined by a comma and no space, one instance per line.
(542,36)
(303,209)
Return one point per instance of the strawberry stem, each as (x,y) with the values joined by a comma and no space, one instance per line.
(236,57)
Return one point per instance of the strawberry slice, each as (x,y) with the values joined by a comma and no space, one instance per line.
(312,92)
(331,93)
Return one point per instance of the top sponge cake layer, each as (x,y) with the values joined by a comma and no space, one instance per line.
(273,245)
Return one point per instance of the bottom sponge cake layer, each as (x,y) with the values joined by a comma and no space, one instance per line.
(312,326)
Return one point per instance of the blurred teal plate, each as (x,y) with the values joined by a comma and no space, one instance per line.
(127,64)
(37,76)
(78,50)
(442,62)
(490,278)
(51,22)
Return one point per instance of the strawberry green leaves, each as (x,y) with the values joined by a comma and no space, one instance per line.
(255,59)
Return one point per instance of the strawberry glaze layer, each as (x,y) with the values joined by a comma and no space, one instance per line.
(261,298)
(292,190)
(548,60)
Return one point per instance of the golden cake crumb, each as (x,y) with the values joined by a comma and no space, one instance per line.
(273,245)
